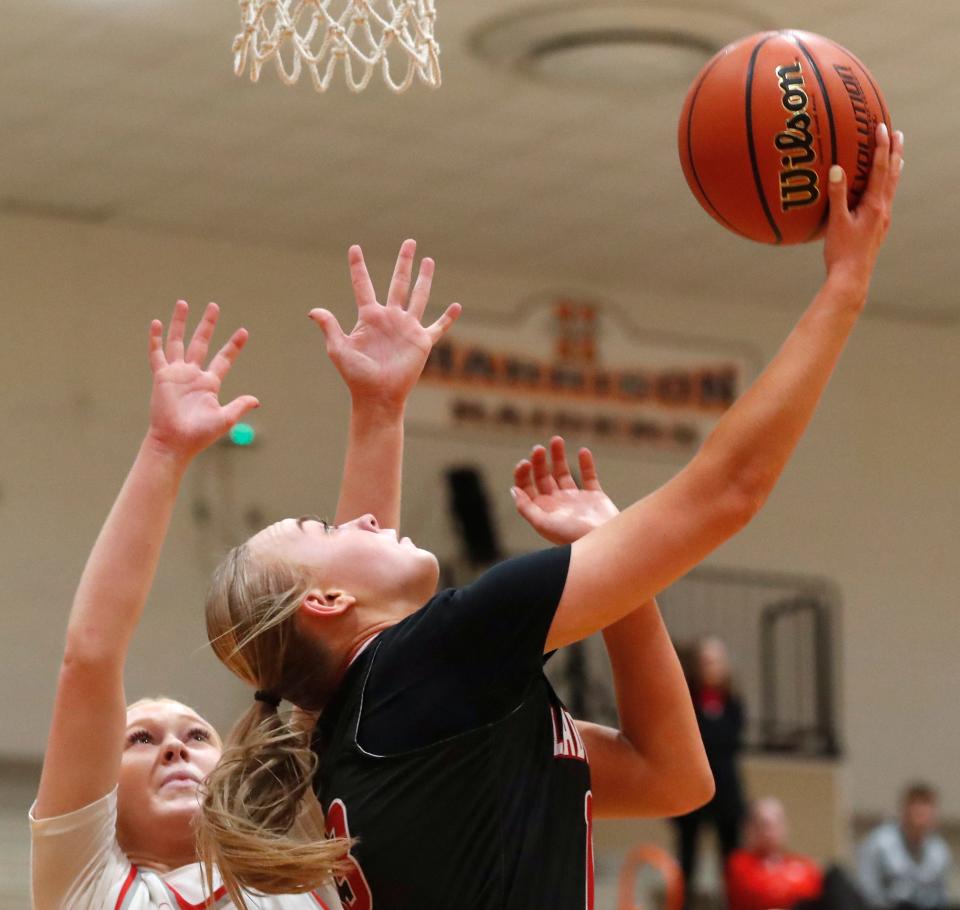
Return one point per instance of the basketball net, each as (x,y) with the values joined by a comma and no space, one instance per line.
(395,36)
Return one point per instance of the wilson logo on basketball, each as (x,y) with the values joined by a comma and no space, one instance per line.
(798,184)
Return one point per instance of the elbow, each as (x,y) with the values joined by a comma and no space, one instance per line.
(744,498)
(697,792)
(693,785)
(89,654)
(690,791)
(671,792)
(734,494)
(739,482)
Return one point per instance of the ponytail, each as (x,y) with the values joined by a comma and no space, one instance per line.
(261,824)
(258,826)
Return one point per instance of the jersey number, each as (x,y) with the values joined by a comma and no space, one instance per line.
(352,884)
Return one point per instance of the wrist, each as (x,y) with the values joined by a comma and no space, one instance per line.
(164,454)
(848,286)
(378,408)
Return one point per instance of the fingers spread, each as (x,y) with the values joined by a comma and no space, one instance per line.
(561,470)
(588,470)
(363,291)
(526,506)
(225,357)
(200,343)
(155,345)
(330,327)
(421,290)
(400,283)
(541,471)
(523,478)
(238,407)
(178,324)
(440,328)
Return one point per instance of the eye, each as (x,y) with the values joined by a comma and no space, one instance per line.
(201,734)
(139,736)
(327,527)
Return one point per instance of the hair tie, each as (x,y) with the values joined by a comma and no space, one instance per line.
(268,698)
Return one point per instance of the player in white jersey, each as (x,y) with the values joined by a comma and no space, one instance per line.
(112,827)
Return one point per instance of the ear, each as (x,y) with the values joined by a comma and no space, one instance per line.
(327,604)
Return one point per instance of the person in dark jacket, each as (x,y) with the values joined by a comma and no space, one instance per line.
(720,716)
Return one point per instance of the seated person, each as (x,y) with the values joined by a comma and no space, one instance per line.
(905,863)
(764,876)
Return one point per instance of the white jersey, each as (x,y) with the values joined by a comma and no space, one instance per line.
(77,864)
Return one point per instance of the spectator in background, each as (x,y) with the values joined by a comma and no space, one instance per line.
(764,876)
(904,863)
(720,717)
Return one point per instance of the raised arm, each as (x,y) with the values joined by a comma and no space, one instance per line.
(655,541)
(654,765)
(82,759)
(380,361)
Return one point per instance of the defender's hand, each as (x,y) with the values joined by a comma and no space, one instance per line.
(185,411)
(382,358)
(853,239)
(550,500)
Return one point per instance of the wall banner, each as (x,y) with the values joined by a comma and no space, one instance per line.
(581,369)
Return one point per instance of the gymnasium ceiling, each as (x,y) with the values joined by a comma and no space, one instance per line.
(127,112)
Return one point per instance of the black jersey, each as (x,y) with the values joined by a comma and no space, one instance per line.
(446,753)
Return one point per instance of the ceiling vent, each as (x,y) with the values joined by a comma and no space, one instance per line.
(611,46)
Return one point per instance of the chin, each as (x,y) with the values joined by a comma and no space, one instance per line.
(181,807)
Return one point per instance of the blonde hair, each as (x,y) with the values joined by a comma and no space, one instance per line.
(261,823)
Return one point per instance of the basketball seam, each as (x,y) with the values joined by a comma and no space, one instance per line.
(833,128)
(750,144)
(690,158)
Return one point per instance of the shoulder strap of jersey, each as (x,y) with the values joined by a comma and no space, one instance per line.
(128,889)
(355,736)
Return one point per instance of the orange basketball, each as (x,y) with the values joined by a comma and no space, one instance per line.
(762,124)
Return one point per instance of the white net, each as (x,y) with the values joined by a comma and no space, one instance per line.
(361,36)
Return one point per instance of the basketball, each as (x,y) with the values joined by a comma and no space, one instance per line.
(762,124)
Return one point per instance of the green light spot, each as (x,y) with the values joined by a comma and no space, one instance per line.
(242,434)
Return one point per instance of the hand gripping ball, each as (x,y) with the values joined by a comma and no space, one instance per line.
(763,122)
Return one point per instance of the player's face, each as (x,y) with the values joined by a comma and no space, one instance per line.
(769,828)
(919,818)
(714,663)
(168,751)
(371,563)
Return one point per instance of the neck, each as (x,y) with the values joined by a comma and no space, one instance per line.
(914,839)
(362,637)
(164,860)
(348,634)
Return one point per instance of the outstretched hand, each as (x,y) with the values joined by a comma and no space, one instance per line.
(382,357)
(185,411)
(550,500)
(853,238)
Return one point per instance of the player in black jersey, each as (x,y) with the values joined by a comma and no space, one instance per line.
(655,767)
(441,746)
(445,725)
